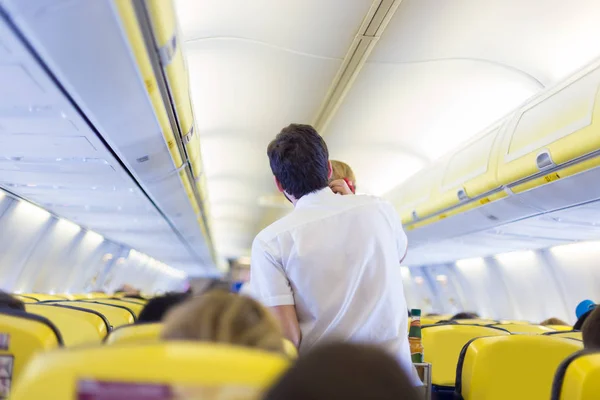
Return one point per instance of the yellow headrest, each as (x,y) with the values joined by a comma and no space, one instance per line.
(511,367)
(25,299)
(476,321)
(143,333)
(442,345)
(181,366)
(578,377)
(136,333)
(560,327)
(22,335)
(570,334)
(135,308)
(514,322)
(44,297)
(520,328)
(76,327)
(116,316)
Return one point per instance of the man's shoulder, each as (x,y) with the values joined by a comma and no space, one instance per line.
(367,199)
(274,229)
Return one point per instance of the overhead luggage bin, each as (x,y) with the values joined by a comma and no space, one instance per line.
(578,377)
(558,127)
(417,202)
(167,370)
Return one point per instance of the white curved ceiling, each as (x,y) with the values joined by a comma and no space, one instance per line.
(441,73)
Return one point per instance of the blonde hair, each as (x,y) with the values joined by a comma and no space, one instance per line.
(341,170)
(224,317)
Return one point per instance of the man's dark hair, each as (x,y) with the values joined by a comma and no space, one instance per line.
(299,160)
(591,330)
(344,371)
(465,315)
(8,301)
(156,308)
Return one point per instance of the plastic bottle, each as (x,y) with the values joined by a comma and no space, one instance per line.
(414,336)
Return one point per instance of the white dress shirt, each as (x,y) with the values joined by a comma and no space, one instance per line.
(337,259)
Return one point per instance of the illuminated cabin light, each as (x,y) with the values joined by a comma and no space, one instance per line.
(419,280)
(469,262)
(120,261)
(107,257)
(443,279)
(515,256)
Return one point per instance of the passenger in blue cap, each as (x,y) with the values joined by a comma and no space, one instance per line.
(583,311)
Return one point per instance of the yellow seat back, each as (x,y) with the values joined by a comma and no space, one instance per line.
(44,297)
(25,299)
(144,333)
(560,327)
(514,322)
(22,336)
(519,367)
(135,308)
(569,335)
(525,329)
(578,377)
(76,326)
(442,345)
(476,321)
(136,333)
(116,316)
(197,370)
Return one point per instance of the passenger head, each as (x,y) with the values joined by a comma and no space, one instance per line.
(591,330)
(157,307)
(223,317)
(344,371)
(553,321)
(341,170)
(299,160)
(465,315)
(10,302)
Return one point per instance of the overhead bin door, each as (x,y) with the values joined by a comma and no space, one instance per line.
(558,127)
(415,200)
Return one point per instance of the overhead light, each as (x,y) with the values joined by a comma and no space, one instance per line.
(419,280)
(578,248)
(94,237)
(243,260)
(470,262)
(107,257)
(515,256)
(443,279)
(120,261)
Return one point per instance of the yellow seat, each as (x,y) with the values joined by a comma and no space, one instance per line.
(144,333)
(76,326)
(517,367)
(22,336)
(116,316)
(135,308)
(529,329)
(443,343)
(560,327)
(44,297)
(569,335)
(25,299)
(197,370)
(514,322)
(578,377)
(136,333)
(476,321)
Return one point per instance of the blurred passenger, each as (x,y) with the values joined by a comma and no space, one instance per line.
(8,301)
(465,315)
(223,317)
(591,330)
(157,307)
(583,311)
(325,268)
(344,371)
(553,321)
(342,179)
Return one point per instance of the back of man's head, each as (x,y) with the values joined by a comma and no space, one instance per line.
(591,330)
(157,307)
(8,301)
(299,160)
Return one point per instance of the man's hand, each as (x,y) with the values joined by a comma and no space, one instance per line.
(289,323)
(339,186)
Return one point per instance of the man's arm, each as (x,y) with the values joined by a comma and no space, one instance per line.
(289,323)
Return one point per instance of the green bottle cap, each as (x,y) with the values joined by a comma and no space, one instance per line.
(415,312)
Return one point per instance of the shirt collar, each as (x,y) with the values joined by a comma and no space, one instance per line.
(315,197)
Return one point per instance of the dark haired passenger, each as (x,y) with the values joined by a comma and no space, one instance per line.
(591,330)
(344,371)
(464,315)
(10,302)
(330,268)
(157,307)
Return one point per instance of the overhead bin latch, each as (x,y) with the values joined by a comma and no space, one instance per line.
(462,194)
(544,160)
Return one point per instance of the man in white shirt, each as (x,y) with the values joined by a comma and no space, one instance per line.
(330,269)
